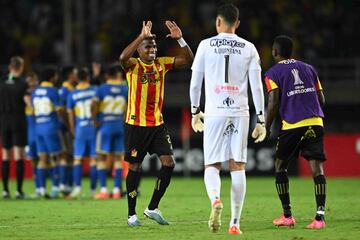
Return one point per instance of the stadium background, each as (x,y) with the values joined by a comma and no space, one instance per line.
(83,31)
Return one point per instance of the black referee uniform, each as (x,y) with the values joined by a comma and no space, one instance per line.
(13,125)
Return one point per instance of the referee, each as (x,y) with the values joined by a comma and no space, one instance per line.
(13,89)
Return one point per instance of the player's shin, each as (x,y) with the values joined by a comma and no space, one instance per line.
(282,187)
(320,195)
(238,190)
(132,184)
(162,182)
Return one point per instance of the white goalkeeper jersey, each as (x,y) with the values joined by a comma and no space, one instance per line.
(226,62)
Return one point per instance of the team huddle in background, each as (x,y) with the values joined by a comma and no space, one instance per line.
(95,117)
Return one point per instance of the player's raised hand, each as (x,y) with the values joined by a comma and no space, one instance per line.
(175,31)
(146,29)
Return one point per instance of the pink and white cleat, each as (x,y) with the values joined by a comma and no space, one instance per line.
(316,224)
(283,221)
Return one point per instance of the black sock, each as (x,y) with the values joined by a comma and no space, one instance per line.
(19,174)
(162,183)
(320,195)
(282,187)
(5,174)
(132,184)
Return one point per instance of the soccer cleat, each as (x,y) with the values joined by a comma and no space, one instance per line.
(316,224)
(74,194)
(215,216)
(54,193)
(283,221)
(234,230)
(20,195)
(6,195)
(133,221)
(116,195)
(102,196)
(155,215)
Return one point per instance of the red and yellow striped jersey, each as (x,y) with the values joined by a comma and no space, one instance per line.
(146,91)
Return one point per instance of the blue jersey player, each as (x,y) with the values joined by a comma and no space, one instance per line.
(108,113)
(81,126)
(49,142)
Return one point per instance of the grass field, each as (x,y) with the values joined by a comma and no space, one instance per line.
(187,208)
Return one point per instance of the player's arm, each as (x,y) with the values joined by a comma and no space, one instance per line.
(273,107)
(320,92)
(128,52)
(94,111)
(71,121)
(195,94)
(186,56)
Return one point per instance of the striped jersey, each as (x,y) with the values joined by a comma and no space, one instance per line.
(146,91)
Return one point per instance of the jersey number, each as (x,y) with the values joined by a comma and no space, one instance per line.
(114,105)
(83,109)
(226,68)
(42,106)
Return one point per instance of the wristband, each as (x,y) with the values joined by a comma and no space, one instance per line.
(195,110)
(182,42)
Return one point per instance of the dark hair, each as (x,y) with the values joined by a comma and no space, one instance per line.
(83,74)
(284,45)
(48,73)
(229,12)
(16,62)
(150,38)
(112,70)
(66,71)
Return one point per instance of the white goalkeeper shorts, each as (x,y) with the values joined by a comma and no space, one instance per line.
(225,138)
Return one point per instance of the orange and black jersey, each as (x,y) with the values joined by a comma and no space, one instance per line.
(146,90)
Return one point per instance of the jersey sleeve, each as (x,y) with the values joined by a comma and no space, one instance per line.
(63,93)
(99,94)
(199,63)
(270,84)
(255,60)
(131,64)
(56,99)
(167,63)
(316,78)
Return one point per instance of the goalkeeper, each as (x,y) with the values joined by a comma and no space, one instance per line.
(226,62)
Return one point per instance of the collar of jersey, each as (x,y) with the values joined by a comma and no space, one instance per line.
(82,85)
(151,64)
(226,34)
(283,61)
(68,85)
(46,84)
(113,82)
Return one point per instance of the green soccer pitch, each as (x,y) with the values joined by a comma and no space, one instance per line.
(187,208)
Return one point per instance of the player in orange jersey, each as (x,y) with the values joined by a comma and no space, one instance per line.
(145,131)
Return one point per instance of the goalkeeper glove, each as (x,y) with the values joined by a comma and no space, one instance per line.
(259,132)
(197,119)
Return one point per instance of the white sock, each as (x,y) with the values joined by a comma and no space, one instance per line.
(238,189)
(103,189)
(116,190)
(212,183)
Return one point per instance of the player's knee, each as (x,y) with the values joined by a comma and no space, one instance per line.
(135,167)
(280,166)
(167,161)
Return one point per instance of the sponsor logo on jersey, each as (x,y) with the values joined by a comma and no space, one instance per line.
(226,88)
(228,101)
(226,42)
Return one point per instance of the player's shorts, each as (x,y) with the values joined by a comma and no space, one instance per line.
(13,130)
(84,147)
(305,141)
(225,138)
(31,150)
(142,140)
(51,143)
(108,141)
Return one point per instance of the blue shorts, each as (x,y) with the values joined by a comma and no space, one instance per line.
(31,150)
(51,143)
(84,147)
(109,142)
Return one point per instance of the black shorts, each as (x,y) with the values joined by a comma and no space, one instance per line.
(13,130)
(305,141)
(142,140)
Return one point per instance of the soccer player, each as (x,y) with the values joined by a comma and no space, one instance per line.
(13,89)
(108,110)
(49,142)
(81,126)
(296,93)
(69,74)
(226,62)
(144,129)
(33,82)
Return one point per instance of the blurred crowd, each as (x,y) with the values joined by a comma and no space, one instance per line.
(34,28)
